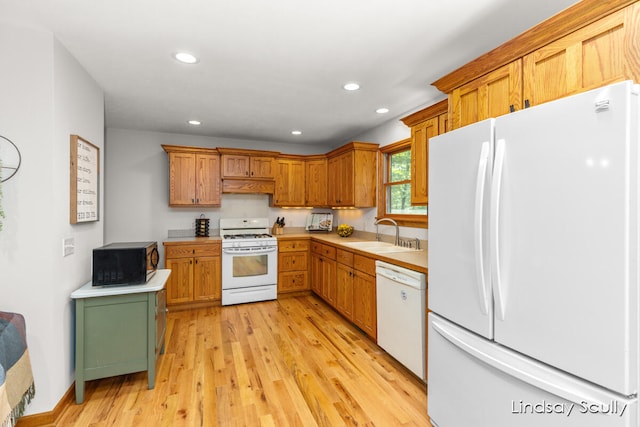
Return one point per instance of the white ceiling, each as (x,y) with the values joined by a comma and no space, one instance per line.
(270,66)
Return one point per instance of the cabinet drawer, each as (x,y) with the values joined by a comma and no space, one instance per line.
(344,257)
(184,251)
(324,250)
(292,261)
(293,281)
(293,245)
(364,264)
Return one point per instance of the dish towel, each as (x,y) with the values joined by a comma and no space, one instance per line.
(16,379)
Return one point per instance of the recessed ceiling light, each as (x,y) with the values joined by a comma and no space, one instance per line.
(351,86)
(296,132)
(185,57)
(382,110)
(195,122)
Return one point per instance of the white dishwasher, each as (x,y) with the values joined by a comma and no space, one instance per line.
(401,295)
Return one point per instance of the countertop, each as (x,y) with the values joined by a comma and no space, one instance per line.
(156,283)
(413,260)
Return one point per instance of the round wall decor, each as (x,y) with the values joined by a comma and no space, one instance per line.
(10,159)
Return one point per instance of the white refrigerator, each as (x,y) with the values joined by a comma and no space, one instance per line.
(534,246)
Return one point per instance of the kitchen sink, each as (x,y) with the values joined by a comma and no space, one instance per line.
(378,247)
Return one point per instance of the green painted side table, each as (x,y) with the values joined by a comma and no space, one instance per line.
(119,330)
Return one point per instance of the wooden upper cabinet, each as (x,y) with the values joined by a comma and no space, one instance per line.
(491,95)
(208,179)
(247,166)
(235,166)
(194,176)
(262,167)
(590,44)
(316,182)
(424,124)
(182,172)
(341,170)
(290,182)
(588,58)
(352,175)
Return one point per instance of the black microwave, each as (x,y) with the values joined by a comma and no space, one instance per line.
(124,263)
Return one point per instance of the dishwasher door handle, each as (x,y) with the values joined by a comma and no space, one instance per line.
(398,277)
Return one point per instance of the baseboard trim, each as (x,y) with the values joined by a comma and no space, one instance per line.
(48,419)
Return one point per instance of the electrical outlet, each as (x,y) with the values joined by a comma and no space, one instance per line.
(68,246)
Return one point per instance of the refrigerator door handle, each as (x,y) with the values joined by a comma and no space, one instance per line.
(478,222)
(496,187)
(527,371)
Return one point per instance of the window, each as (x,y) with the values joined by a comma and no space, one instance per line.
(395,193)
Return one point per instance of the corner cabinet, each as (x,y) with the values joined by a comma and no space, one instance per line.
(194,176)
(346,281)
(588,45)
(424,124)
(352,172)
(316,181)
(197,275)
(119,330)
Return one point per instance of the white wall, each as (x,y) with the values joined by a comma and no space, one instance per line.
(46,96)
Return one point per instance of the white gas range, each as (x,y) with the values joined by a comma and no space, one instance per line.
(249,261)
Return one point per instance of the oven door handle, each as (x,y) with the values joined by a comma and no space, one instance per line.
(252,251)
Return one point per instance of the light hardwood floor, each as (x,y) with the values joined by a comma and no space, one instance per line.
(291,362)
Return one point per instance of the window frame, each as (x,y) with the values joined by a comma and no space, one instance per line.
(405,220)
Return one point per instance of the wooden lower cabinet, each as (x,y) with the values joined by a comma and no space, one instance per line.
(344,283)
(347,282)
(195,272)
(365,307)
(323,271)
(293,265)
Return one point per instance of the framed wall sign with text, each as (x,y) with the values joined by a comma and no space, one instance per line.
(85,174)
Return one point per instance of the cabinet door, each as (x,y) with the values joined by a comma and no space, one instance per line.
(364,308)
(333,183)
(420,135)
(297,180)
(316,274)
(344,291)
(316,182)
(329,286)
(290,183)
(340,171)
(262,167)
(346,179)
(235,166)
(443,123)
(292,261)
(208,180)
(491,95)
(180,283)
(207,279)
(292,281)
(182,189)
(585,59)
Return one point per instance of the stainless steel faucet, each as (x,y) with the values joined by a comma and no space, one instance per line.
(378,221)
